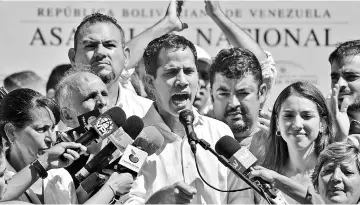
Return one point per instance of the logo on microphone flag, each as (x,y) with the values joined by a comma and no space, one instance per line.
(104,126)
(133,158)
(242,159)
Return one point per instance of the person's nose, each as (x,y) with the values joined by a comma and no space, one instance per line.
(181,79)
(101,102)
(298,123)
(51,137)
(234,101)
(100,51)
(337,175)
(342,84)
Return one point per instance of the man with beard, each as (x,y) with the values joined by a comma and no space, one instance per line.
(236,81)
(345,76)
(237,90)
(170,176)
(99,46)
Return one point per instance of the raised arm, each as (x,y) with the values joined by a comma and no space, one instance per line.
(170,22)
(236,35)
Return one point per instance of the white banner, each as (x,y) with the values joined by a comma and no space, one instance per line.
(300,35)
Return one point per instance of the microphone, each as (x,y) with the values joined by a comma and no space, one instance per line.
(186,117)
(103,126)
(148,142)
(242,160)
(86,118)
(135,154)
(120,139)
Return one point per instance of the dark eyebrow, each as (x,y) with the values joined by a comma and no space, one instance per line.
(89,41)
(222,88)
(91,94)
(242,89)
(110,41)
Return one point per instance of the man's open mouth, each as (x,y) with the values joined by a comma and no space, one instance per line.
(180,98)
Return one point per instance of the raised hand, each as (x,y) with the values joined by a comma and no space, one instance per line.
(264,119)
(341,119)
(212,7)
(172,15)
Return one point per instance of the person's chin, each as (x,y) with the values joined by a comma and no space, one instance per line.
(336,199)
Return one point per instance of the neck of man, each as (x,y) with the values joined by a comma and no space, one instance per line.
(244,138)
(301,161)
(114,92)
(172,122)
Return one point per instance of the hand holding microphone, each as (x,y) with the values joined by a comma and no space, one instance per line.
(61,155)
(242,159)
(120,183)
(268,175)
(119,140)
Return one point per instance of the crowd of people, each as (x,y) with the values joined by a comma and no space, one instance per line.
(306,145)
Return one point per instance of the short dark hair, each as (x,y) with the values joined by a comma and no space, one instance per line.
(277,149)
(16,106)
(168,42)
(343,50)
(56,75)
(236,63)
(97,18)
(21,79)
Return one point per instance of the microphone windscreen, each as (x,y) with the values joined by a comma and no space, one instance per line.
(227,146)
(133,126)
(117,115)
(186,116)
(150,140)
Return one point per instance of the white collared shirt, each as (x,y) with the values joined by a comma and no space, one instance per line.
(132,104)
(175,162)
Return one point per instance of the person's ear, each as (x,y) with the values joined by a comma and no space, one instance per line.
(127,61)
(9,129)
(262,95)
(67,117)
(149,82)
(71,55)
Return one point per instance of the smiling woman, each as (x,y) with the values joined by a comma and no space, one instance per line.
(300,128)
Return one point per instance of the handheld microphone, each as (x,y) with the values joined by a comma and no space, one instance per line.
(135,154)
(186,117)
(86,118)
(242,160)
(147,143)
(118,140)
(103,126)
(84,126)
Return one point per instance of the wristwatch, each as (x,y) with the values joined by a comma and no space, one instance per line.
(39,169)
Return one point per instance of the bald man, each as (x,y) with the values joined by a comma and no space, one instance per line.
(78,93)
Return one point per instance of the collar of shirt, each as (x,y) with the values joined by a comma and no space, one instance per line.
(153,118)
